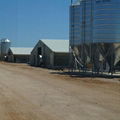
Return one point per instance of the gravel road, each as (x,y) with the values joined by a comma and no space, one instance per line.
(28,93)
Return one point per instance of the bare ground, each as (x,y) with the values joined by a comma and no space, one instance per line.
(28,93)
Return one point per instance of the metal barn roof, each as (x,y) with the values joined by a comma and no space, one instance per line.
(57,45)
(21,50)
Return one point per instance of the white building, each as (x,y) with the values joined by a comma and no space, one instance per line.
(50,53)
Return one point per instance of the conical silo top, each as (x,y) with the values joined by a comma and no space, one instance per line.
(5,40)
(77,2)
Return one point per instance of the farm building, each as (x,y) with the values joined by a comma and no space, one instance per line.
(50,53)
(18,54)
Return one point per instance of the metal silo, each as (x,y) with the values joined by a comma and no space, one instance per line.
(4,47)
(106,32)
(81,14)
(95,34)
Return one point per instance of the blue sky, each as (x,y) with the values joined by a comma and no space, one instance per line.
(24,22)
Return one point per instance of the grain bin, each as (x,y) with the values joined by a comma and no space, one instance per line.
(106,32)
(81,24)
(4,47)
(95,34)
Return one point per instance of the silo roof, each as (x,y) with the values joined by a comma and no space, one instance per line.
(21,50)
(76,2)
(4,40)
(57,45)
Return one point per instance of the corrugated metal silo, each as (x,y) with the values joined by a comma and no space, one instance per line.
(106,32)
(81,31)
(95,34)
(4,47)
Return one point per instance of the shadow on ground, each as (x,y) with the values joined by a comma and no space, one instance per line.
(85,75)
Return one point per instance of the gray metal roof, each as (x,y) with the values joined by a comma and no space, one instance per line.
(57,45)
(21,50)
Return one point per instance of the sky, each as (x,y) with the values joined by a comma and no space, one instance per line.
(24,22)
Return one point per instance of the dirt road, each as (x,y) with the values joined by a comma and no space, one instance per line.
(28,93)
